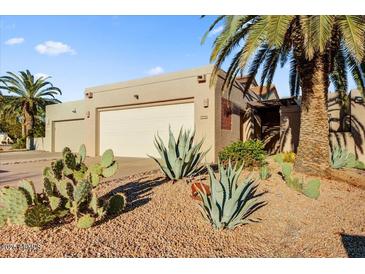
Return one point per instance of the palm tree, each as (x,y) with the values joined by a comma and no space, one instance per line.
(319,49)
(31,95)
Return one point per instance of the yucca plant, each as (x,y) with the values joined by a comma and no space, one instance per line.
(229,204)
(181,158)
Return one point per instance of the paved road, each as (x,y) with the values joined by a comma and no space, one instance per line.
(15,166)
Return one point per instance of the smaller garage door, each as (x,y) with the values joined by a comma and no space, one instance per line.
(68,133)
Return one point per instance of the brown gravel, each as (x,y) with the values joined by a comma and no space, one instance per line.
(162,220)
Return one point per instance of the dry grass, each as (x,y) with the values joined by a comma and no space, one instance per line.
(162,220)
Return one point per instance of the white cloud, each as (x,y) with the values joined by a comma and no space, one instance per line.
(54,48)
(14,41)
(156,70)
(215,31)
(40,75)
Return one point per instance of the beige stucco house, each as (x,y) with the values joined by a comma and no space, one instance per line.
(125,116)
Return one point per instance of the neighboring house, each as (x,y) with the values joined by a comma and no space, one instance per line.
(5,139)
(126,116)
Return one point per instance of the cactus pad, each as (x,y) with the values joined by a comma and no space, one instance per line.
(116,204)
(85,221)
(107,158)
(111,170)
(38,216)
(15,204)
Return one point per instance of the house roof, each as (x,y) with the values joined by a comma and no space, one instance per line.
(288,101)
(265,91)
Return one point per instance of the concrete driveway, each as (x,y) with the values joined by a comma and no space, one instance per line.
(15,166)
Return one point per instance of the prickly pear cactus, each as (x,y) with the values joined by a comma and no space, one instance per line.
(85,221)
(38,216)
(15,204)
(54,202)
(82,191)
(3,217)
(116,204)
(27,187)
(311,190)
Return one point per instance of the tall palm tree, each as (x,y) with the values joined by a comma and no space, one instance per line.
(31,95)
(320,49)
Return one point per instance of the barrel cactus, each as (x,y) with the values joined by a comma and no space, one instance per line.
(181,158)
(229,203)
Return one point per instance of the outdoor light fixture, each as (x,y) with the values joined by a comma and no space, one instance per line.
(206,103)
(359,99)
(88,114)
(136,96)
(201,78)
(74,110)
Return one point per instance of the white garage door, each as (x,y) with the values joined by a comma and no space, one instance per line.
(130,132)
(68,133)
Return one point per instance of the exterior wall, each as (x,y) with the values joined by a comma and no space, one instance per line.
(159,90)
(289,128)
(38,143)
(238,104)
(358,125)
(347,131)
(62,112)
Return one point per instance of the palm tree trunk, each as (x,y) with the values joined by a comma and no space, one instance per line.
(28,121)
(313,149)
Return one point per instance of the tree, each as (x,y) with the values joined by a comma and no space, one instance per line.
(320,49)
(30,98)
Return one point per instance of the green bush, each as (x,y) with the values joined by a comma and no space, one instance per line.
(248,153)
(19,144)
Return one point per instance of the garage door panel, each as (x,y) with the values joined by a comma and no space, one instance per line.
(130,132)
(68,133)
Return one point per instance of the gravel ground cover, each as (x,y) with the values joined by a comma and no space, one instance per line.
(161,220)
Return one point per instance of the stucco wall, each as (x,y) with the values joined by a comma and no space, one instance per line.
(358,125)
(225,136)
(165,89)
(62,112)
(39,143)
(289,128)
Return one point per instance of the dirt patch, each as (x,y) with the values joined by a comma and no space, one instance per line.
(162,220)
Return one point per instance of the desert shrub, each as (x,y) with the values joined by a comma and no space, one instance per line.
(309,189)
(181,158)
(341,158)
(20,143)
(69,190)
(248,153)
(228,204)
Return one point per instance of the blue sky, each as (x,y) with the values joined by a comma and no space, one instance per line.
(85,51)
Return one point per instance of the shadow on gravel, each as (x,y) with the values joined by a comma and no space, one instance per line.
(138,192)
(354,245)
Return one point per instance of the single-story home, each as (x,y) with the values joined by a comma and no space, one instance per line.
(126,116)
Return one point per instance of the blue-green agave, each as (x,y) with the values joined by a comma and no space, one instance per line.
(181,158)
(341,158)
(229,203)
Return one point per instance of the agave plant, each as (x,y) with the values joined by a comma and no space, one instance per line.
(182,158)
(229,204)
(342,158)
